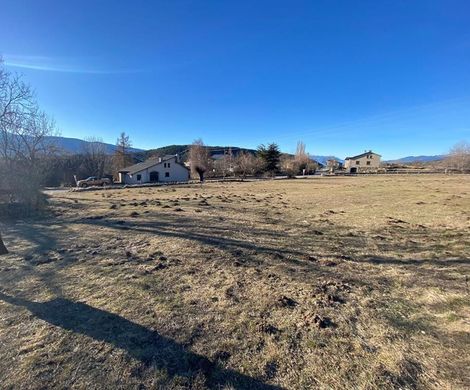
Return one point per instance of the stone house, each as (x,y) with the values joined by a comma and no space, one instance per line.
(367,161)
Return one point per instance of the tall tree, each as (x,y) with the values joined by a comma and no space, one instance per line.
(122,156)
(24,140)
(199,158)
(24,129)
(270,156)
(303,160)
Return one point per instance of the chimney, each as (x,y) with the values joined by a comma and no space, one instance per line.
(159,159)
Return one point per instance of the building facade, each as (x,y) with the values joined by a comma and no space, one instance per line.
(365,162)
(161,170)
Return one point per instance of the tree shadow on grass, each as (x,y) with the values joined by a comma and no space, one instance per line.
(377,260)
(198,231)
(148,346)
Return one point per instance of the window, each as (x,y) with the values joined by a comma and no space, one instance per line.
(139,177)
(164,165)
(368,162)
(168,165)
(358,162)
(167,174)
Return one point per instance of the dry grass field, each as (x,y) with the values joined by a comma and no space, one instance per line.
(329,283)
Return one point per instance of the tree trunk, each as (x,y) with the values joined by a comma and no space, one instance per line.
(3,249)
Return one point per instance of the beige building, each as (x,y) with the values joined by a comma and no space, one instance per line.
(367,161)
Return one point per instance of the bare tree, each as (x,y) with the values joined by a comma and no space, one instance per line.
(199,158)
(24,140)
(459,156)
(302,159)
(95,158)
(122,156)
(300,152)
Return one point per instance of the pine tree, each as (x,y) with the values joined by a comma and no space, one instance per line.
(270,156)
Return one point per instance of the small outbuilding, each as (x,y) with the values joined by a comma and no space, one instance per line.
(367,161)
(155,170)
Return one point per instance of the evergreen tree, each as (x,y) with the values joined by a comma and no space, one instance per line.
(270,156)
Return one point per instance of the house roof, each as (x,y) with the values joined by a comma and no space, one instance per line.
(362,155)
(151,162)
(141,166)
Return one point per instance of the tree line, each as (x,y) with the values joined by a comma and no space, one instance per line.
(266,161)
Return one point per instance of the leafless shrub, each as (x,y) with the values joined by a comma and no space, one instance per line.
(289,166)
(246,164)
(459,156)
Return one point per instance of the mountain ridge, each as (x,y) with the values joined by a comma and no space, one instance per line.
(76,145)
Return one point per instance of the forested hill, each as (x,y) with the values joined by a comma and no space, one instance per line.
(182,150)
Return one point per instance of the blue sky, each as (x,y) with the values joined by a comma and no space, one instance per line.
(343,76)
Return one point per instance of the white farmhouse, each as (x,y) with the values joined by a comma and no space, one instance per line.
(155,170)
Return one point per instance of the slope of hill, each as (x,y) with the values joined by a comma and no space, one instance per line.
(75,145)
(182,150)
(411,159)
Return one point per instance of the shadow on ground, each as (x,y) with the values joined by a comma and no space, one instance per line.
(141,343)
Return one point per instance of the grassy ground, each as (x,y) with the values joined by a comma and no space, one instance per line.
(357,282)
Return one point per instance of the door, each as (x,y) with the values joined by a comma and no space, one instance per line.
(153,177)
(354,170)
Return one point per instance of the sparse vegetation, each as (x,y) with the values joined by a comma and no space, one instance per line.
(459,157)
(271,284)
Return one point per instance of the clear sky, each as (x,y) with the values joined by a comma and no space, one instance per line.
(343,76)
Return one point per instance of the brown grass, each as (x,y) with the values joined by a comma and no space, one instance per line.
(326,283)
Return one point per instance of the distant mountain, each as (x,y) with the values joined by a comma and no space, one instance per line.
(74,145)
(323,159)
(414,159)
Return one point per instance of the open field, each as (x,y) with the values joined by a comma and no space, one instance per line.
(352,282)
